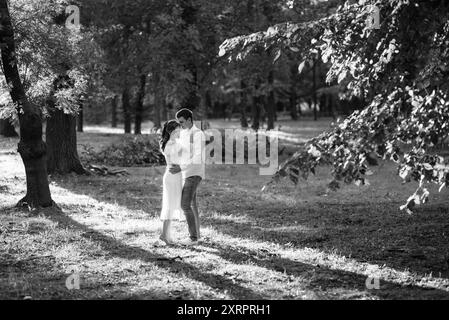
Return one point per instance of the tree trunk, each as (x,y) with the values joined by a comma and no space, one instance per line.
(126,110)
(315,110)
(293,95)
(331,105)
(223,107)
(208,104)
(193,98)
(81,120)
(189,14)
(257,100)
(256,114)
(158,103)
(243,103)
(270,102)
(114,112)
(201,110)
(139,105)
(31,147)
(263,110)
(324,111)
(7,129)
(61,141)
(60,134)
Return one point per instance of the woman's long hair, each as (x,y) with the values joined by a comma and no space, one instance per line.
(168,128)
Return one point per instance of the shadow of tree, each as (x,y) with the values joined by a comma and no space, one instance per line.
(324,278)
(325,282)
(368,232)
(141,192)
(35,277)
(118,249)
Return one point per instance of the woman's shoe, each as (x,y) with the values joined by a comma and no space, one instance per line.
(189,242)
(167,241)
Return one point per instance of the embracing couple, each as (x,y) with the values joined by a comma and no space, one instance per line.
(182,146)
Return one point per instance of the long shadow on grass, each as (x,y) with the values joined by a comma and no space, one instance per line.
(324,281)
(143,194)
(35,277)
(118,249)
(39,277)
(368,232)
(366,243)
(376,233)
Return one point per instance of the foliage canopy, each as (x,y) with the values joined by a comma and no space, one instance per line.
(400,70)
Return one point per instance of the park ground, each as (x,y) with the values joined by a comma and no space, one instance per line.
(288,242)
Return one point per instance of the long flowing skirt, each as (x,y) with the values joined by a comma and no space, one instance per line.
(171,197)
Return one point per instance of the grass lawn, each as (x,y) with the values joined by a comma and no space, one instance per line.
(288,242)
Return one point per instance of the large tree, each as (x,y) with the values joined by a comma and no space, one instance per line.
(47,52)
(31,147)
(64,105)
(61,134)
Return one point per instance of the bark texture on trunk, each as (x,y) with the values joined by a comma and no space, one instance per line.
(126,110)
(61,144)
(256,108)
(159,101)
(270,106)
(293,95)
(7,129)
(158,104)
(193,99)
(114,105)
(315,100)
(60,136)
(139,105)
(243,103)
(331,98)
(201,108)
(31,147)
(208,104)
(189,14)
(81,120)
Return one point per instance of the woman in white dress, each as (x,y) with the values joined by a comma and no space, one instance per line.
(172,183)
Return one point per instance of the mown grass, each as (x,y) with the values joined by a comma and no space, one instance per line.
(285,243)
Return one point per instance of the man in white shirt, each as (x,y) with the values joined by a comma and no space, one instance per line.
(192,167)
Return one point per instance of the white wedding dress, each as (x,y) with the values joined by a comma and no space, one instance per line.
(172,185)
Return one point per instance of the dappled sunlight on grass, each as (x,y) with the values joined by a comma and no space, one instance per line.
(232,218)
(246,273)
(281,229)
(267,269)
(103,216)
(318,259)
(289,242)
(15,169)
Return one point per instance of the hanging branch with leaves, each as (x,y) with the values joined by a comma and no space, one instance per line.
(400,69)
